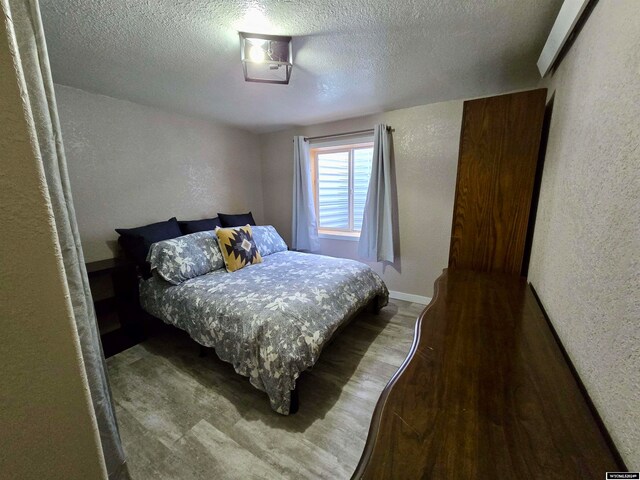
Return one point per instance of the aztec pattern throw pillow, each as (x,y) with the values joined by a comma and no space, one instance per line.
(238,247)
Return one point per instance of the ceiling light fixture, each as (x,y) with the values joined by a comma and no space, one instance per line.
(266,58)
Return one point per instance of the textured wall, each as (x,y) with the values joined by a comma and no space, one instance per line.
(586,253)
(47,425)
(131,165)
(426,157)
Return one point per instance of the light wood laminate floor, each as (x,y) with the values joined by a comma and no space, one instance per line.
(186,417)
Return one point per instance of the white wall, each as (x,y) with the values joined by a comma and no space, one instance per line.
(47,423)
(130,165)
(426,156)
(585,262)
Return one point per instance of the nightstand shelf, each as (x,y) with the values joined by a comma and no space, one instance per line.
(114,289)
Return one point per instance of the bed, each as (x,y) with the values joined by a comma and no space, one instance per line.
(270,320)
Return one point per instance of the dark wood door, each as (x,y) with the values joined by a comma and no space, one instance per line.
(499,146)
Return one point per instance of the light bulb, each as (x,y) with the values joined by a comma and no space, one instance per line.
(256,54)
(257,41)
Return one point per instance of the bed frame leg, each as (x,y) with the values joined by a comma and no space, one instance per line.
(295,403)
(203,351)
(375,306)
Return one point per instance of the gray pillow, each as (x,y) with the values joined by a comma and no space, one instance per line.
(186,257)
(268,240)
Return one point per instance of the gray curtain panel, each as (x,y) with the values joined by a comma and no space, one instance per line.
(376,237)
(38,84)
(304,227)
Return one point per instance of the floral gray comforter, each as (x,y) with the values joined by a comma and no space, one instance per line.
(270,320)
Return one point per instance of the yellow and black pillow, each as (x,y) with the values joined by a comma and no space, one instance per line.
(238,247)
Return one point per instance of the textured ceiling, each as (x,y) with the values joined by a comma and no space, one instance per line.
(350,58)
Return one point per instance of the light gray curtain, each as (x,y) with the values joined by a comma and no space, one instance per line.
(376,237)
(304,227)
(37,82)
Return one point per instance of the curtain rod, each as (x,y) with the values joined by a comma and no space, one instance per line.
(345,134)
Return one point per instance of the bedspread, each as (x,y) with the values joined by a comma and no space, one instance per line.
(270,320)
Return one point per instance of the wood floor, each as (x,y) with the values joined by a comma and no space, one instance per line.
(186,417)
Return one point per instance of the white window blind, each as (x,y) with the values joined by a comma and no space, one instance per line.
(342,175)
(333,190)
(362,161)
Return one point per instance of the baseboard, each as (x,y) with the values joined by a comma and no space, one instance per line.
(409,297)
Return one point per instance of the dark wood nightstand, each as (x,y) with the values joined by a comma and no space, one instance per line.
(114,288)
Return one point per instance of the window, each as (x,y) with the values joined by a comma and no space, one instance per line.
(341,179)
